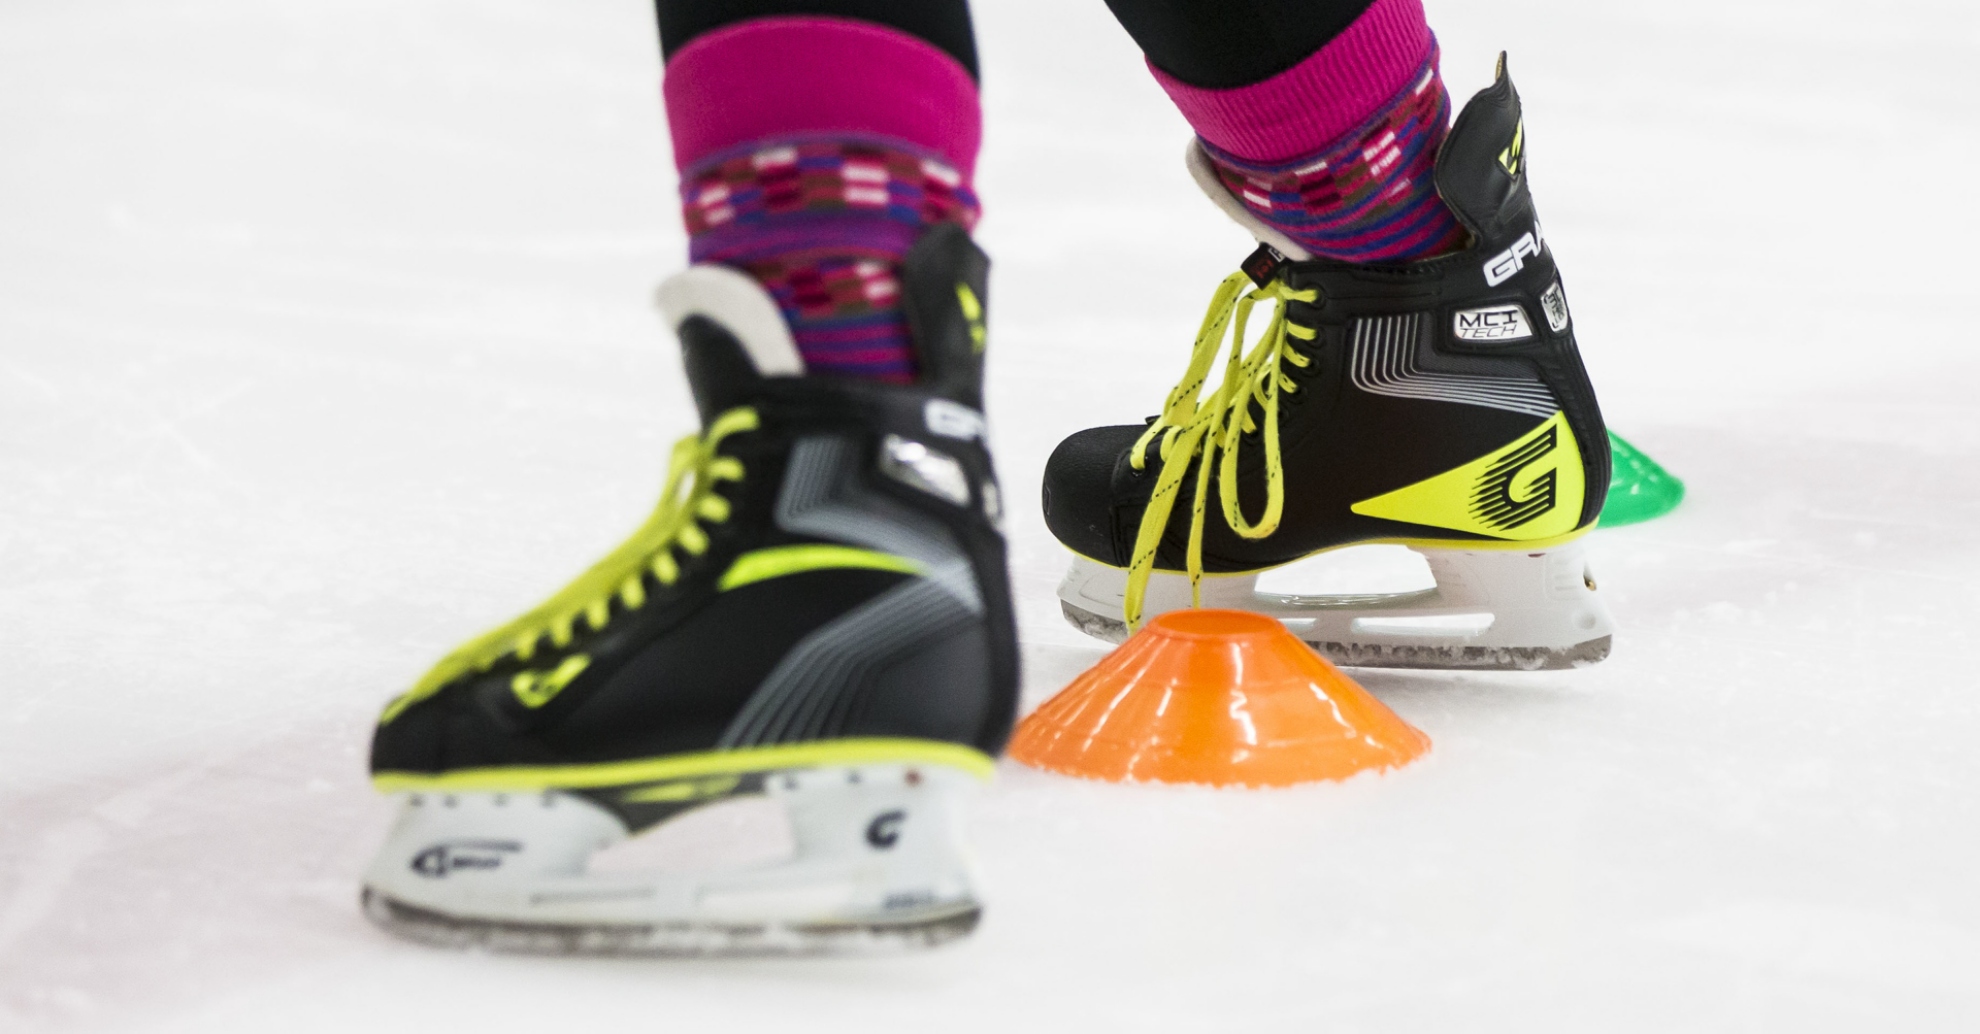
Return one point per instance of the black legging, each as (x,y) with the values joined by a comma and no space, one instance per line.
(1215,44)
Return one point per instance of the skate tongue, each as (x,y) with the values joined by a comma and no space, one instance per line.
(718,368)
(732,336)
(1481,170)
(945,294)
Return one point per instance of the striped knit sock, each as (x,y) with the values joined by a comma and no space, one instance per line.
(813,152)
(1339,152)
(823,225)
(1369,197)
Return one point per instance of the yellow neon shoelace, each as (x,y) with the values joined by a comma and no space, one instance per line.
(692,474)
(1190,425)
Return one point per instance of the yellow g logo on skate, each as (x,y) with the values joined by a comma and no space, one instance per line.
(536,688)
(1530,489)
(1519,488)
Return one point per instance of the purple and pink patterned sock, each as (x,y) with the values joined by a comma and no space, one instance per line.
(1339,151)
(813,152)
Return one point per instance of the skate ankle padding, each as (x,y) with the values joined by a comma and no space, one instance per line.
(945,282)
(1481,170)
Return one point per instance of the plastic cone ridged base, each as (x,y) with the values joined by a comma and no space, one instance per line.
(1218,697)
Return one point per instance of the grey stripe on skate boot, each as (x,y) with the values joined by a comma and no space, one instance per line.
(823,496)
(826,680)
(820,686)
(1393,356)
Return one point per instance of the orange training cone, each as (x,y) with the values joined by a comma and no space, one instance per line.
(1224,697)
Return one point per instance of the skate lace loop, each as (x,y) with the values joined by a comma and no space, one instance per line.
(1191,426)
(694,471)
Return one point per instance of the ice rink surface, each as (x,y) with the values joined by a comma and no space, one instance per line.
(325,343)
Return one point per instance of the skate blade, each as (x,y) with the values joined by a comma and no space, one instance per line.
(895,934)
(1399,655)
(875,861)
(1497,610)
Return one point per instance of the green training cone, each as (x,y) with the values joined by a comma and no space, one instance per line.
(1639,490)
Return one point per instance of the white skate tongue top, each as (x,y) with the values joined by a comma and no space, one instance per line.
(1205,174)
(739,304)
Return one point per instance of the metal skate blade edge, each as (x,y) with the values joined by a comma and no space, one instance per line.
(1436,657)
(1461,657)
(1105,629)
(687,938)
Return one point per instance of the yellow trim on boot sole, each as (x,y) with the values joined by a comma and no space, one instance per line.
(524,779)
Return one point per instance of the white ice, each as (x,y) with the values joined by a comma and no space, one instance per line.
(324,343)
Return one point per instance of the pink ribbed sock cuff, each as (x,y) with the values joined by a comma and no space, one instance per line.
(1310,105)
(787,77)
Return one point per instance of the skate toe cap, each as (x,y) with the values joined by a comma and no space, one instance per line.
(413,741)
(1079,494)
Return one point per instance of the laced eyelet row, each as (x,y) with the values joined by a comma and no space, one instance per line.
(690,499)
(1191,425)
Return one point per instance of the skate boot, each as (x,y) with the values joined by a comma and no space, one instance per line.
(1439,404)
(817,613)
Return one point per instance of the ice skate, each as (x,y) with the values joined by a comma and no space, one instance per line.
(816,613)
(1439,404)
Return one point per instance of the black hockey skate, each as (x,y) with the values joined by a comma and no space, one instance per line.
(1438,404)
(817,612)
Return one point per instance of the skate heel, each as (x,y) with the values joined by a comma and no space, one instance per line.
(877,863)
(1492,609)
